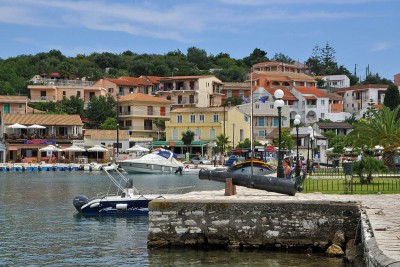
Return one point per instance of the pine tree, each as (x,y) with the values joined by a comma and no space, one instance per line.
(392,97)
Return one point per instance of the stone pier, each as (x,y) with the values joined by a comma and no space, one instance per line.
(260,219)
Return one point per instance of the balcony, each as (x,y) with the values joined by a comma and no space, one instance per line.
(142,113)
(42,98)
(62,82)
(35,138)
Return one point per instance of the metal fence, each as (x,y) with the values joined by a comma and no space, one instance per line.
(334,180)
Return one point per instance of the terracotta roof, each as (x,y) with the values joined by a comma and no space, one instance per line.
(310,91)
(286,75)
(13,98)
(43,119)
(139,97)
(334,96)
(198,110)
(152,79)
(288,96)
(129,81)
(97,134)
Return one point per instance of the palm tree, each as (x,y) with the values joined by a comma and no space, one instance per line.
(222,141)
(383,129)
(187,138)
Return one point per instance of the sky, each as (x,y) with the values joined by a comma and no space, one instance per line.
(363,33)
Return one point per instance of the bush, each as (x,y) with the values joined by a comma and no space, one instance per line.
(365,167)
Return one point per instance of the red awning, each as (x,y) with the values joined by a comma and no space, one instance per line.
(270,149)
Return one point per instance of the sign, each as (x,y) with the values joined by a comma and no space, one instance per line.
(40,142)
(171,144)
(78,143)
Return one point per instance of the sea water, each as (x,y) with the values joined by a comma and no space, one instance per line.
(40,227)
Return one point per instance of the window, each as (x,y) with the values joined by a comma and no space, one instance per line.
(110,90)
(131,91)
(162,111)
(192,118)
(64,93)
(215,118)
(148,124)
(20,106)
(128,123)
(228,93)
(261,121)
(212,134)
(121,90)
(78,94)
(191,99)
(257,106)
(322,102)
(175,134)
(201,117)
(246,118)
(179,118)
(322,115)
(198,133)
(149,110)
(241,135)
(261,133)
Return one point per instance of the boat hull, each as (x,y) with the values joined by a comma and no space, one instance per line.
(116,207)
(133,167)
(259,168)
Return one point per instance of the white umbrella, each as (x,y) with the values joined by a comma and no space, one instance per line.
(97,148)
(74,149)
(50,148)
(17,126)
(137,148)
(35,126)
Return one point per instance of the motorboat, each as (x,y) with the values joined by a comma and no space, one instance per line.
(93,166)
(128,201)
(160,161)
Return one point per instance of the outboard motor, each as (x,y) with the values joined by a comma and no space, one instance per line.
(79,201)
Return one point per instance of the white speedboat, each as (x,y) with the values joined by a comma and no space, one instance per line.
(161,161)
(127,202)
(93,166)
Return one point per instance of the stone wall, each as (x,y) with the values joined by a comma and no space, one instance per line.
(241,223)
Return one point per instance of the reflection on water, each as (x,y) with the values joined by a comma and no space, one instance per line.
(39,226)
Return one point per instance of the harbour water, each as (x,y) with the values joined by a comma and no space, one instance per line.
(40,227)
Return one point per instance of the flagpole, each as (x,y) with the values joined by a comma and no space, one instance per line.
(251,120)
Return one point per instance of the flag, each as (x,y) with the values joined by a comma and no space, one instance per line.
(262,99)
(245,99)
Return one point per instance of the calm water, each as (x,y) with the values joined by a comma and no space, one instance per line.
(39,227)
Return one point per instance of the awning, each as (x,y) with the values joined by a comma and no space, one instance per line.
(12,148)
(308,97)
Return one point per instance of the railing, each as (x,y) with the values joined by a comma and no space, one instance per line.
(43,98)
(143,113)
(10,137)
(62,82)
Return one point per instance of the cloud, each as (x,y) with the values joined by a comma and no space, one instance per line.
(381,46)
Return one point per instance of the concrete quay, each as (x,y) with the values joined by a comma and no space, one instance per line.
(379,222)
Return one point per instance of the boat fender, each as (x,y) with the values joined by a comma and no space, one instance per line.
(121,206)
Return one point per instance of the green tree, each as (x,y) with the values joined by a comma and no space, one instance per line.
(187,138)
(287,142)
(383,129)
(198,57)
(222,142)
(365,168)
(99,109)
(160,124)
(392,97)
(109,124)
(376,79)
(71,106)
(280,57)
(256,56)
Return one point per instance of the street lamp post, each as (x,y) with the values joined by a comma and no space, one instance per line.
(310,131)
(279,104)
(297,124)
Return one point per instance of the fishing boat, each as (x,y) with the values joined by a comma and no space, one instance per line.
(160,161)
(128,201)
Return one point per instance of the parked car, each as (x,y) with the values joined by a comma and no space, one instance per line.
(200,160)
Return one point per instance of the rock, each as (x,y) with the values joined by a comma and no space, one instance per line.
(338,238)
(334,251)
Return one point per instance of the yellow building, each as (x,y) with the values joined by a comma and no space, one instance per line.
(206,123)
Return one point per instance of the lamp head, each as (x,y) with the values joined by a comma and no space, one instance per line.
(279,94)
(298,117)
(279,103)
(296,122)
(310,130)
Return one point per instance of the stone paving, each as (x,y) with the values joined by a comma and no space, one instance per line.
(382,210)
